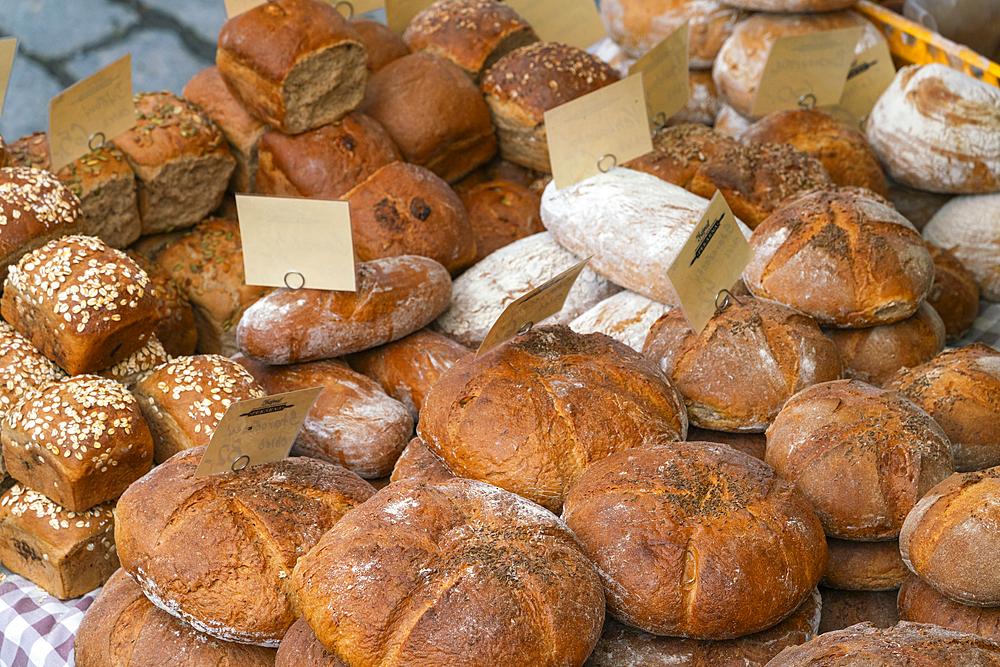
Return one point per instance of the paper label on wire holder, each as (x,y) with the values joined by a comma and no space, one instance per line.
(799,66)
(296,242)
(8,47)
(870,74)
(538,304)
(665,75)
(610,121)
(257,431)
(712,259)
(574,22)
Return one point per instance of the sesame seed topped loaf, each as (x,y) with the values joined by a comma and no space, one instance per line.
(34,209)
(81,441)
(82,304)
(184,400)
(181,161)
(65,553)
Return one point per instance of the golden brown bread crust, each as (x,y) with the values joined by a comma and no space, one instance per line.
(406,369)
(955,293)
(381,44)
(218,551)
(434,113)
(842,609)
(326,162)
(844,152)
(395,297)
(80,441)
(960,389)
(405,209)
(917,206)
(131,369)
(777,352)
(294,64)
(532,414)
(418,464)
(65,553)
(753,444)
(920,603)
(300,648)
(499,169)
(352,423)
(82,304)
(874,353)
(624,646)
(175,329)
(659,521)
(181,161)
(864,566)
(500,213)
(916,644)
(454,573)
(124,629)
(842,256)
(862,455)
(518,96)
(473,34)
(950,538)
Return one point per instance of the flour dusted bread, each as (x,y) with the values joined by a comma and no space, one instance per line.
(457,572)
(626,317)
(920,603)
(703,105)
(294,64)
(395,297)
(632,223)
(481,294)
(418,464)
(969,228)
(936,128)
(660,521)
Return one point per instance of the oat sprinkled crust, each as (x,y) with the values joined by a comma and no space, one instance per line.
(21,501)
(22,368)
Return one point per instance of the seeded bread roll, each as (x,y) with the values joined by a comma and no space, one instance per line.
(501,212)
(326,162)
(130,370)
(353,422)
(473,34)
(241,130)
(518,96)
(80,441)
(938,129)
(82,304)
(395,297)
(207,264)
(750,358)
(863,456)
(842,256)
(873,354)
(175,329)
(300,648)
(181,161)
(217,551)
(969,228)
(419,464)
(406,369)
(65,553)
(955,293)
(625,316)
(184,399)
(658,520)
(920,603)
(35,208)
(842,609)
(382,45)
(863,566)
(405,209)
(294,64)
(474,576)
(624,646)
(434,113)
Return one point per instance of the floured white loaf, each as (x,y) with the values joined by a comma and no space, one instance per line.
(625,316)
(479,295)
(969,228)
(632,223)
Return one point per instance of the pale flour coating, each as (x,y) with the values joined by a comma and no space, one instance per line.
(969,228)
(626,317)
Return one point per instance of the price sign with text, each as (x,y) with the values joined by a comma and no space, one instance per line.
(870,74)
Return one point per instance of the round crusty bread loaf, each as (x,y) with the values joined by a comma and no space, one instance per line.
(530,415)
(300,648)
(453,573)
(418,464)
(938,129)
(960,389)
(842,256)
(920,603)
(217,551)
(687,541)
(863,456)
(623,646)
(969,228)
(124,629)
(950,538)
(842,609)
(914,644)
(863,566)
(749,359)
(754,444)
(625,316)
(500,213)
(955,294)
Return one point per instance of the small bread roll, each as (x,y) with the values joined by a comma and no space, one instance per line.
(382,45)
(920,603)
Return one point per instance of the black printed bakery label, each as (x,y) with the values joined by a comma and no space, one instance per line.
(297,243)
(712,259)
(542,302)
(806,70)
(574,22)
(8,47)
(665,76)
(870,74)
(90,112)
(257,431)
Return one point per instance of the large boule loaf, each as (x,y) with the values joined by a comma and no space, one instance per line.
(395,296)
(625,316)
(863,566)
(969,228)
(481,294)
(955,294)
(632,223)
(842,609)
(936,128)
(920,603)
